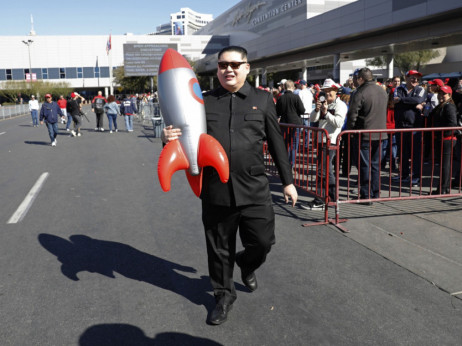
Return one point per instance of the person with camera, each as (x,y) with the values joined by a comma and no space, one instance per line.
(73,108)
(330,111)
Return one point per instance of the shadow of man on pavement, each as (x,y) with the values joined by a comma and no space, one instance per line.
(82,253)
(126,334)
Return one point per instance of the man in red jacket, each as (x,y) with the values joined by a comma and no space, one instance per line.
(98,107)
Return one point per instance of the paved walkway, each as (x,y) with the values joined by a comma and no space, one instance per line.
(104,257)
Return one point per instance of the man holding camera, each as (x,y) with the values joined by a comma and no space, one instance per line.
(330,111)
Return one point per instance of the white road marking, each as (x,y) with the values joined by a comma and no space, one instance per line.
(2,133)
(27,202)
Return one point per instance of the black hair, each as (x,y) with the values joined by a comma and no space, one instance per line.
(365,74)
(237,49)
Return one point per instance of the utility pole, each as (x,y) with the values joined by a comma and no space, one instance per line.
(28,44)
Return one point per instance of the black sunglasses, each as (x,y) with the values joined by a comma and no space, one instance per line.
(234,64)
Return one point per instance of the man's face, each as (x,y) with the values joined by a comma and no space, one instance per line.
(232,79)
(48,99)
(331,95)
(412,80)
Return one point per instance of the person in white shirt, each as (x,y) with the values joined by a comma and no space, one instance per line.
(307,98)
(34,108)
(331,113)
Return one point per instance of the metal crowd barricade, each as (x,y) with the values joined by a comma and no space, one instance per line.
(305,144)
(150,112)
(13,110)
(419,153)
(157,120)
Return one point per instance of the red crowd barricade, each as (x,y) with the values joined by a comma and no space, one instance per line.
(374,165)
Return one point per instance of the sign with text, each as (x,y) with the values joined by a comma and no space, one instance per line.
(143,59)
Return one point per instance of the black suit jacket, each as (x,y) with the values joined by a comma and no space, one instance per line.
(241,122)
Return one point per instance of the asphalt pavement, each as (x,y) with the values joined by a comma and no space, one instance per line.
(101,256)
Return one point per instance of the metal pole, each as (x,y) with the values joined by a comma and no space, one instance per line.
(28,43)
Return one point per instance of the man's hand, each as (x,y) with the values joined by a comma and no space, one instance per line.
(290,192)
(170,134)
(41,122)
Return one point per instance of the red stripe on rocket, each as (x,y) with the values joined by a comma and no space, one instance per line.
(182,106)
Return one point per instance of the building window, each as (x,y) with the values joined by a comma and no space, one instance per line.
(44,73)
(26,71)
(9,75)
(62,73)
(96,72)
(79,72)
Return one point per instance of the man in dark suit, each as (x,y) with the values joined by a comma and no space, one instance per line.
(368,111)
(290,108)
(241,118)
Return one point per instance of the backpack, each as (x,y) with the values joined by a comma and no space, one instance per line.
(99,104)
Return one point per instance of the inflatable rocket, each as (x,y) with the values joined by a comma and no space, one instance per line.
(182,106)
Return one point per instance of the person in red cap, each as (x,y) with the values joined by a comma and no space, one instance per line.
(444,115)
(73,108)
(50,112)
(98,107)
(408,99)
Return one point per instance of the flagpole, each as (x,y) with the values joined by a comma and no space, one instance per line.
(111,88)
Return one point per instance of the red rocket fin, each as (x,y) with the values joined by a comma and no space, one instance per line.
(172,159)
(195,181)
(211,153)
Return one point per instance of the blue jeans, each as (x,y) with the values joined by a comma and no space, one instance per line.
(112,119)
(292,141)
(373,165)
(69,121)
(306,137)
(34,114)
(128,122)
(386,150)
(52,130)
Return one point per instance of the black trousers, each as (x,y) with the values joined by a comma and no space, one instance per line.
(99,119)
(256,230)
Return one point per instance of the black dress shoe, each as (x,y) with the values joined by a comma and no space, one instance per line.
(249,279)
(219,315)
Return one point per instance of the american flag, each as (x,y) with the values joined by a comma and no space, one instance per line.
(108,45)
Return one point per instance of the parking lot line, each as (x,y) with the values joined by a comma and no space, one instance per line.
(27,202)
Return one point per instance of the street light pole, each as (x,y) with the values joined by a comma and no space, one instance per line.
(28,43)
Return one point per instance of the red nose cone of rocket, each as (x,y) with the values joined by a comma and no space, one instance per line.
(172,59)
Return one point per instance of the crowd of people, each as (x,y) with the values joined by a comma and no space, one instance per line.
(68,111)
(363,103)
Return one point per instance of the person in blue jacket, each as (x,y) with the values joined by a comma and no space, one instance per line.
(50,112)
(408,99)
(128,109)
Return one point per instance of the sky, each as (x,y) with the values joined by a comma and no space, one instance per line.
(97,17)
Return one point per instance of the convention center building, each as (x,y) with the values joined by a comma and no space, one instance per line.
(314,40)
(285,39)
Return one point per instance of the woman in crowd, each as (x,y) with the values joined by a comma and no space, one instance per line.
(112,110)
(390,142)
(444,115)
